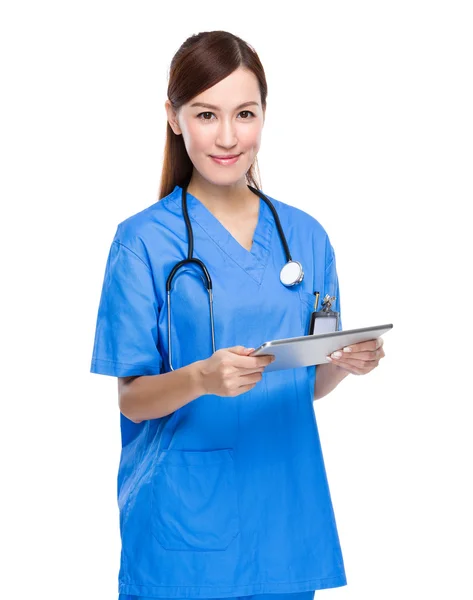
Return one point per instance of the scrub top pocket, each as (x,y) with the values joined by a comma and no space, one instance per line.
(194,500)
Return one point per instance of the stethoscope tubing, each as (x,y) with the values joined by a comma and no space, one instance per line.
(208,279)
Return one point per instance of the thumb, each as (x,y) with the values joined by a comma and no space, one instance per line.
(242,350)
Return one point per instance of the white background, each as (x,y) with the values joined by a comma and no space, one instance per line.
(369,129)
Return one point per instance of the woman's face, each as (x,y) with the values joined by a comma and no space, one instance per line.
(223,128)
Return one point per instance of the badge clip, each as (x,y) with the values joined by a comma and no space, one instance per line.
(325,320)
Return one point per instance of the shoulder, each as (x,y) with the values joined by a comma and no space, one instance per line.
(306,228)
(296,217)
(143,229)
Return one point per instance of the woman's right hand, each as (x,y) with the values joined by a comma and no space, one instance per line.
(231,372)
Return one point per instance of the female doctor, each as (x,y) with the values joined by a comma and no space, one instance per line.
(222,489)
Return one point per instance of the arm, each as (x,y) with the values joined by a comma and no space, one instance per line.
(154,396)
(328,376)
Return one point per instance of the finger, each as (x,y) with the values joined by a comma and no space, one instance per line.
(369,345)
(252,362)
(348,366)
(352,363)
(250,379)
(357,355)
(251,370)
(240,350)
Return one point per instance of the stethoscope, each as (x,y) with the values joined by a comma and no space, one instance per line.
(291,273)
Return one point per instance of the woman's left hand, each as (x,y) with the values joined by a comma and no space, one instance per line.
(362,359)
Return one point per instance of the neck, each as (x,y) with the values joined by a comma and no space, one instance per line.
(223,199)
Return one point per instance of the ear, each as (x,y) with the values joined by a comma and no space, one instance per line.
(172,118)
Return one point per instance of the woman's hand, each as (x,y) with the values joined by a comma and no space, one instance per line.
(362,358)
(231,372)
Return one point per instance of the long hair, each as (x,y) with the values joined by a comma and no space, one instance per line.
(202,61)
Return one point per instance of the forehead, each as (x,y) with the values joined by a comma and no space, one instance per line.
(239,87)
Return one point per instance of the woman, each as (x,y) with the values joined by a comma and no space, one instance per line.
(222,488)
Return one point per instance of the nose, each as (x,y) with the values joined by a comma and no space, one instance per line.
(226,137)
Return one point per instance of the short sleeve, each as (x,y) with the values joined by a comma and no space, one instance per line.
(331,285)
(126,331)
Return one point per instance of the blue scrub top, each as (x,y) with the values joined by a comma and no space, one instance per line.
(226,496)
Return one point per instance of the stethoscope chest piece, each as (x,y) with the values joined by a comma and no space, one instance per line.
(292,273)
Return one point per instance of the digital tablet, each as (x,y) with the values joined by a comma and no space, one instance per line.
(310,350)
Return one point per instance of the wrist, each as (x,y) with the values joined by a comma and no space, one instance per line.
(198,378)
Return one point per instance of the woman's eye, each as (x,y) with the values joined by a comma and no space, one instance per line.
(211,113)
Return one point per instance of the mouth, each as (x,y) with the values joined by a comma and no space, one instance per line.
(224,155)
(225,159)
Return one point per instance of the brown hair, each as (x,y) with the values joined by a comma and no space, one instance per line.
(202,61)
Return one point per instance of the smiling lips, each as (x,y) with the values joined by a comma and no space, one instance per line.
(223,155)
(228,159)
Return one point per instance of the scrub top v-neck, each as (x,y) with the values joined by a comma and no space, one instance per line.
(252,261)
(226,496)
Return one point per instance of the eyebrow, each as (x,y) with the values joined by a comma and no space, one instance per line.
(205,105)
